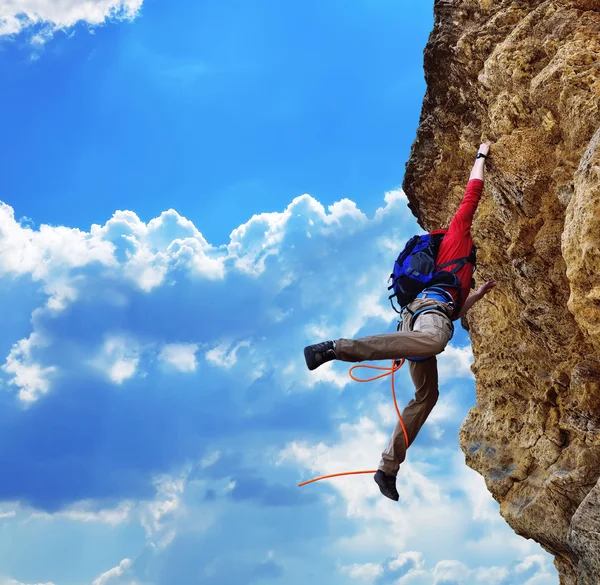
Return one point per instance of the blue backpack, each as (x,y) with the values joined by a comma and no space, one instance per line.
(415,269)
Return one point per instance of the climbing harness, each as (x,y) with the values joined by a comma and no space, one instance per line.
(396,365)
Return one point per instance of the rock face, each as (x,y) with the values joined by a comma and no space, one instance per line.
(526,75)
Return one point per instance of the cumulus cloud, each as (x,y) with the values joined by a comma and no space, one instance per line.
(158,516)
(111,576)
(30,377)
(210,459)
(7,581)
(182,356)
(483,506)
(394,568)
(412,558)
(225,355)
(167,505)
(52,15)
(118,358)
(448,572)
(88,512)
(273,265)
(431,515)
(446,410)
(366,572)
(455,362)
(129,306)
(50,254)
(383,527)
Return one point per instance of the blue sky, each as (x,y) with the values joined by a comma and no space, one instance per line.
(191,195)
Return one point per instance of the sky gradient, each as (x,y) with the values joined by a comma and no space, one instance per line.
(190,195)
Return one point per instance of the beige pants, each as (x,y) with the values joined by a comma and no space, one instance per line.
(428,337)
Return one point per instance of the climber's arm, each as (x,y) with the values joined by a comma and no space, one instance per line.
(479,166)
(464,216)
(477,170)
(471,300)
(484,289)
(461,222)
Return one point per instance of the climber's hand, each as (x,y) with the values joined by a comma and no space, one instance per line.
(485,148)
(485,288)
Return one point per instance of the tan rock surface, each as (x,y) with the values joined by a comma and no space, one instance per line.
(526,75)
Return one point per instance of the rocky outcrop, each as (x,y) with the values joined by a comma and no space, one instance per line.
(526,75)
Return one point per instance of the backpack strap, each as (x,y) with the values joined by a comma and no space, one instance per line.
(472,258)
(391,297)
(460,262)
(392,303)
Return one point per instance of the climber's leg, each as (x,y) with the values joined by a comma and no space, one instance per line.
(403,344)
(425,378)
(429,337)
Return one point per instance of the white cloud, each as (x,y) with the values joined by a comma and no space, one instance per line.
(383,524)
(446,410)
(545,574)
(110,516)
(455,362)
(49,254)
(410,556)
(531,561)
(284,280)
(110,264)
(17,15)
(210,459)
(454,571)
(415,577)
(331,373)
(542,579)
(110,575)
(367,572)
(160,516)
(167,505)
(369,306)
(30,377)
(224,355)
(430,515)
(483,506)
(124,246)
(147,252)
(118,358)
(444,571)
(7,581)
(490,575)
(395,197)
(182,356)
(86,512)
(450,571)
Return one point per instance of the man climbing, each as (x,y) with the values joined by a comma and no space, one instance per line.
(424,330)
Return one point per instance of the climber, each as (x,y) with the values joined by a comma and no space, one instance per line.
(424,330)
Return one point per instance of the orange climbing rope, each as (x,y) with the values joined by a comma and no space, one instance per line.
(388,372)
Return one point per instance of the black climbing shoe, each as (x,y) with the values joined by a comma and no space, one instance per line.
(387,485)
(318,354)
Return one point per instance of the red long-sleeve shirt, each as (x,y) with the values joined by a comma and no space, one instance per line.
(457,242)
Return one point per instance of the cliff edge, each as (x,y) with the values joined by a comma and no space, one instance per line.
(526,75)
